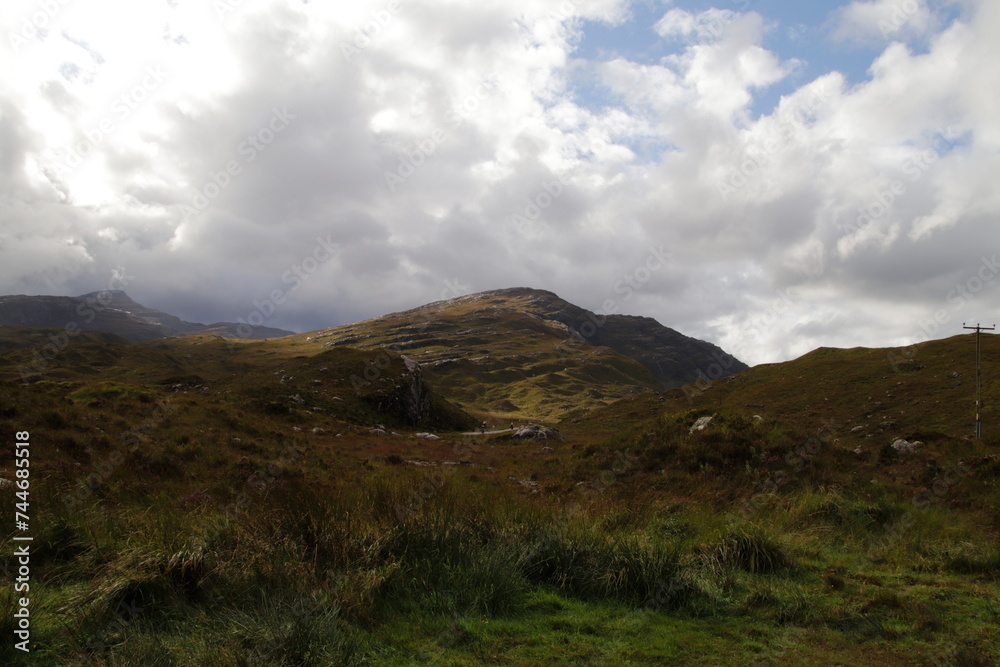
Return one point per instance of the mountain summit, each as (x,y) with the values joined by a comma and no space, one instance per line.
(527,352)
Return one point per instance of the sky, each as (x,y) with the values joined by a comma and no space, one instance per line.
(768,175)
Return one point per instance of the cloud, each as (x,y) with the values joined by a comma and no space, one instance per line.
(707,26)
(882,21)
(447,144)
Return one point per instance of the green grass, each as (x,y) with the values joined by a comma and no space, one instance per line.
(309,575)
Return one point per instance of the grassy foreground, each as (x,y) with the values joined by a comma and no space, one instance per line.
(403,565)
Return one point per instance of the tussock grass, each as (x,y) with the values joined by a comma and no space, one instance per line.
(747,548)
(618,566)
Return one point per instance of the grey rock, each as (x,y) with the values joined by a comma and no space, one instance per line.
(537,432)
(700,424)
(904,446)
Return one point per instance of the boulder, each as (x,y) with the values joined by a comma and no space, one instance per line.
(904,446)
(700,424)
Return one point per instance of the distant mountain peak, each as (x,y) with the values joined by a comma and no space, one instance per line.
(116,312)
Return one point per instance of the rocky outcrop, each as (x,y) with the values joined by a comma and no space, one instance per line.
(536,432)
(406,397)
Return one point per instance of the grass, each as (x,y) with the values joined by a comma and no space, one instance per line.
(192,526)
(305,574)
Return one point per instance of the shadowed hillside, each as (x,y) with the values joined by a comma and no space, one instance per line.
(113,311)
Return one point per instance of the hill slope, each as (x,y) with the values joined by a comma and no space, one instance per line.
(923,389)
(259,380)
(829,419)
(115,312)
(527,353)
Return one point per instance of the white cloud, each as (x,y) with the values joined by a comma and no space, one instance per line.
(881,21)
(706,26)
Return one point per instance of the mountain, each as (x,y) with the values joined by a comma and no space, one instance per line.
(528,353)
(113,311)
(518,353)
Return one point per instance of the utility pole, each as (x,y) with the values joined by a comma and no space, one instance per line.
(979,378)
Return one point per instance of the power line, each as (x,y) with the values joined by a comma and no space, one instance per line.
(979,378)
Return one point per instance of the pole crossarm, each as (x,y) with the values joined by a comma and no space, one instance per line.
(979,377)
